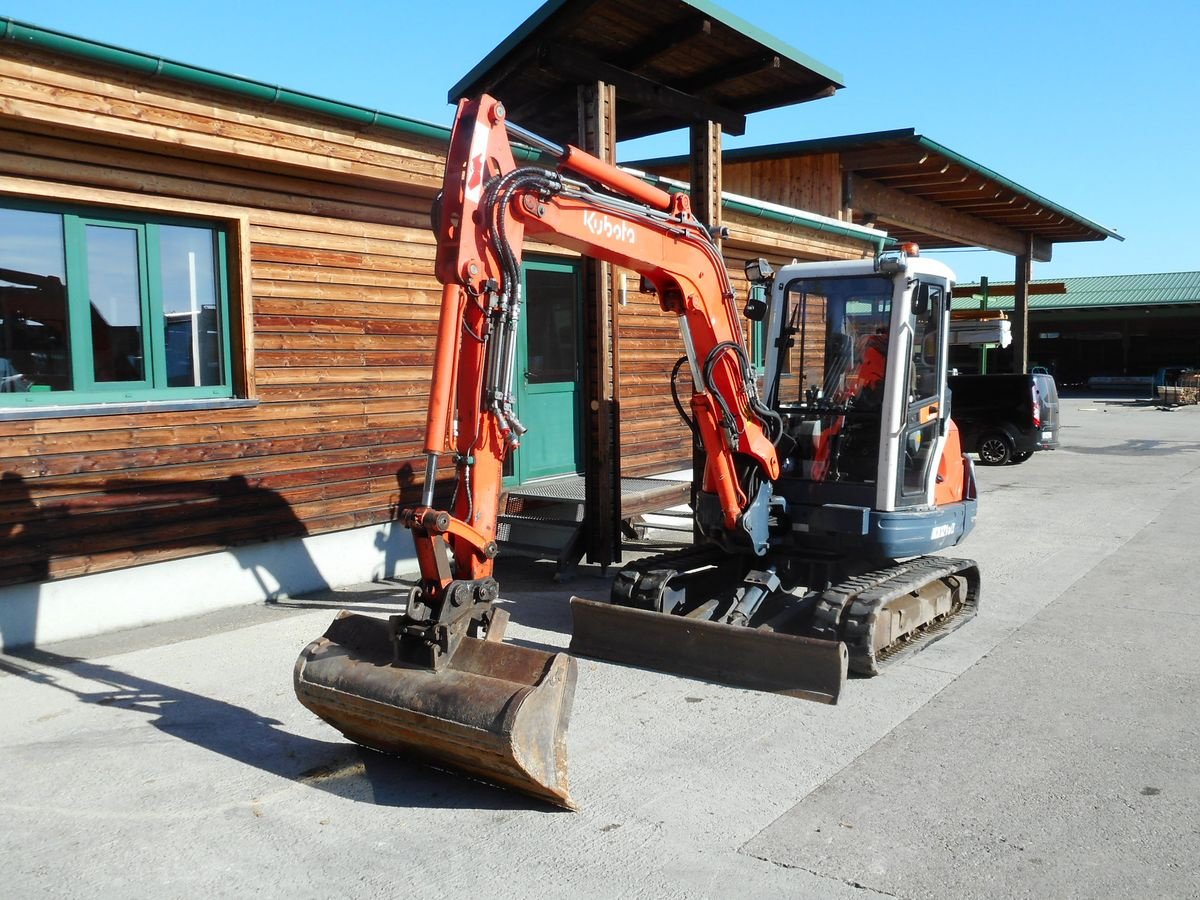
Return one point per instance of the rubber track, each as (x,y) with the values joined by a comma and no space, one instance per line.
(827,617)
(862,609)
(678,560)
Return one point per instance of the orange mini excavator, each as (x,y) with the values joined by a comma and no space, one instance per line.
(822,491)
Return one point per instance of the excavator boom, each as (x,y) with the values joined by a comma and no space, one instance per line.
(435,681)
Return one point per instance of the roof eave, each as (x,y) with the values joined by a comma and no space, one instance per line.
(157,66)
(466,85)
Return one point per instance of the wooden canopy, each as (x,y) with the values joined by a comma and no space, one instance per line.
(673,63)
(918,190)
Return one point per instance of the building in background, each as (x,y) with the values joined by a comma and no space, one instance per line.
(1112,327)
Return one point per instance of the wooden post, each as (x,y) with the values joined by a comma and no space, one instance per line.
(705,180)
(983,351)
(602,450)
(706,173)
(1020,324)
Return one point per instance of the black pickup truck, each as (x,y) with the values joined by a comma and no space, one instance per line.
(1005,418)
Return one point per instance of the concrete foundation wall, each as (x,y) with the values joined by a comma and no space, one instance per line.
(111,601)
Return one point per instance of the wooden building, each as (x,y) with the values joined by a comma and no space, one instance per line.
(218,313)
(1101,329)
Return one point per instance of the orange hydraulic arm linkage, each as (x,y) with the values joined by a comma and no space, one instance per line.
(487,207)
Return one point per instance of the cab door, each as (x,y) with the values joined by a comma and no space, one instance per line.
(925,412)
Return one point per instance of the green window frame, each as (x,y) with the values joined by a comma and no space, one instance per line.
(758,332)
(161,351)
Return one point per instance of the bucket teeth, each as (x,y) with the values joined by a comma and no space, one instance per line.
(495,711)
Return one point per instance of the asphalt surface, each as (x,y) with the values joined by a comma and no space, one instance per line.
(1046,749)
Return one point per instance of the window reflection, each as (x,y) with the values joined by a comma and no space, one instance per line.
(34,327)
(831,394)
(927,342)
(191,323)
(116,300)
(551,311)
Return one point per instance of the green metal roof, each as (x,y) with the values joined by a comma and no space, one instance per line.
(1168,288)
(23,33)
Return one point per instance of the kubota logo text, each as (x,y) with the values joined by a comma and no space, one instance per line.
(602,226)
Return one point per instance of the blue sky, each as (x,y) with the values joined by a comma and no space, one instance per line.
(1092,105)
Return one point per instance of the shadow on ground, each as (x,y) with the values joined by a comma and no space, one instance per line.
(383,597)
(335,767)
(1139,447)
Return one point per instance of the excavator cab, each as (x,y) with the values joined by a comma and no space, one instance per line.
(872,477)
(857,370)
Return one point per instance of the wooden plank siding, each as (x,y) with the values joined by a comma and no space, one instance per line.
(334,258)
(811,183)
(335,307)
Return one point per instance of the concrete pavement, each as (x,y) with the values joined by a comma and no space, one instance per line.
(1046,749)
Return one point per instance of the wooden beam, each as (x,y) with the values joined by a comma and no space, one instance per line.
(705,176)
(999,205)
(561,97)
(660,43)
(931,178)
(727,72)
(883,158)
(637,89)
(917,214)
(1008,290)
(980,192)
(789,96)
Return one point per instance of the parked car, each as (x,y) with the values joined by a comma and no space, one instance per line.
(1005,418)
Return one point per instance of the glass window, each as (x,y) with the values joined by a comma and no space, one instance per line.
(831,389)
(552,326)
(115,290)
(921,435)
(105,307)
(927,318)
(191,323)
(758,330)
(34,325)
(838,328)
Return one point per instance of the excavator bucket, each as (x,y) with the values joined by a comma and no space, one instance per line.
(495,711)
(756,658)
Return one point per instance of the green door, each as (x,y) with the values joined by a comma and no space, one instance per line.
(548,379)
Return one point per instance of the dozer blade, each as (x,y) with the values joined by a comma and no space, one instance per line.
(496,711)
(752,658)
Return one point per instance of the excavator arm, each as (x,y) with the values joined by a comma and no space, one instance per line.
(488,207)
(435,681)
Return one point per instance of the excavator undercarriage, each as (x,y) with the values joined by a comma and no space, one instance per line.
(702,613)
